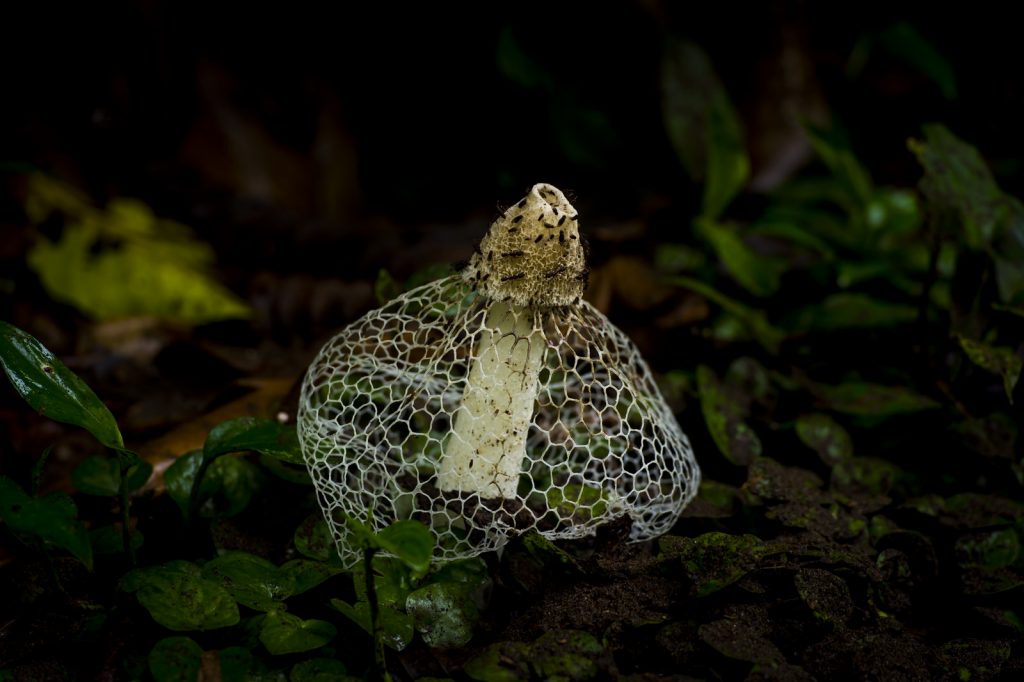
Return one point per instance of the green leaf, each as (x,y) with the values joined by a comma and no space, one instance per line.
(265,436)
(409,541)
(724,413)
(125,262)
(501,662)
(825,436)
(865,399)
(756,273)
(728,164)
(444,614)
(714,560)
(251,580)
(319,670)
(577,502)
(102,476)
(313,538)
(702,125)
(396,627)
(566,655)
(754,320)
(851,311)
(905,42)
(1003,361)
(51,519)
(958,183)
(989,548)
(175,659)
(108,540)
(227,487)
(179,598)
(303,575)
(52,389)
(237,664)
(282,633)
(834,149)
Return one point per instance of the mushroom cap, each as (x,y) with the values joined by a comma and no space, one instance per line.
(378,403)
(533,253)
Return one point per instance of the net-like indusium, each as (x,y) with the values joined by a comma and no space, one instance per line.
(484,412)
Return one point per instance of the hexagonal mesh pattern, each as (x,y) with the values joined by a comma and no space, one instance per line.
(379,413)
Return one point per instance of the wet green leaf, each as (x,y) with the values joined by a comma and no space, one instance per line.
(283,633)
(251,580)
(126,262)
(1000,360)
(102,476)
(714,560)
(52,389)
(851,311)
(444,614)
(179,598)
(409,541)
(756,273)
(265,436)
(724,413)
(51,518)
(175,659)
(319,670)
(865,399)
(303,575)
(577,502)
(824,435)
(754,320)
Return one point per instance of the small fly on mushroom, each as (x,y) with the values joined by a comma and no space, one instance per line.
(493,402)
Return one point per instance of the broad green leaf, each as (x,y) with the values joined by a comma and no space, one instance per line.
(958,183)
(124,261)
(51,518)
(566,655)
(724,413)
(282,633)
(1003,361)
(444,614)
(756,273)
(303,575)
(728,164)
(865,399)
(825,436)
(227,487)
(989,548)
(409,541)
(851,311)
(251,580)
(576,502)
(52,389)
(266,436)
(392,581)
(102,476)
(179,598)
(313,538)
(714,560)
(319,670)
(396,627)
(702,125)
(108,540)
(175,659)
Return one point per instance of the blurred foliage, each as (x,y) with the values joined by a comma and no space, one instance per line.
(122,261)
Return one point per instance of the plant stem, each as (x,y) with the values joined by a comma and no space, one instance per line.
(380,671)
(126,508)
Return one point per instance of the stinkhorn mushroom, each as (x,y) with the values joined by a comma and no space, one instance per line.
(494,401)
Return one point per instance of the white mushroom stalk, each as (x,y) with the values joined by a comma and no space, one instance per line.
(493,402)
